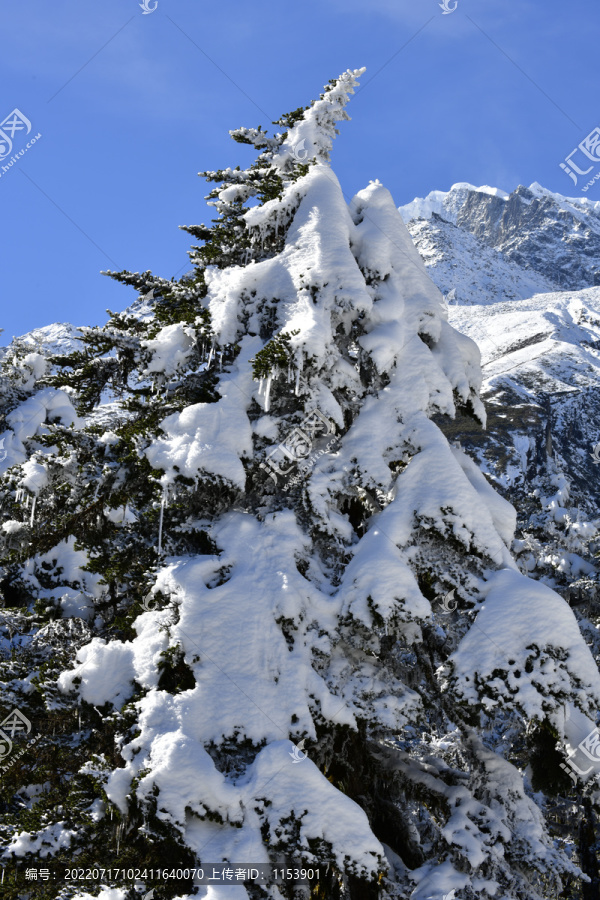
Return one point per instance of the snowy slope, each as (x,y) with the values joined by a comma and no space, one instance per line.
(466,270)
(550,342)
(541,365)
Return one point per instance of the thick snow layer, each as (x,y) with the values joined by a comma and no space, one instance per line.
(421,379)
(76,587)
(237,653)
(384,249)
(434,492)
(34,476)
(123,662)
(210,437)
(319,281)
(170,349)
(299,790)
(312,136)
(29,419)
(46,842)
(504,515)
(409,305)
(317,258)
(106,671)
(525,648)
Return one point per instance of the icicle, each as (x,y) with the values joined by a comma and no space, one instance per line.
(221,361)
(162,514)
(32,511)
(268,393)
(297,388)
(210,355)
(289,372)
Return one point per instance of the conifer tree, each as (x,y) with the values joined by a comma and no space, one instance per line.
(246,520)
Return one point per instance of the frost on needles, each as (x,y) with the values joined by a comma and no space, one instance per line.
(287,602)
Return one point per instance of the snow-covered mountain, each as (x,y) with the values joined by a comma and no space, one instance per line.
(503,261)
(488,245)
(60,337)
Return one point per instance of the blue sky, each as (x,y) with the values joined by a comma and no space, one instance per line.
(131,106)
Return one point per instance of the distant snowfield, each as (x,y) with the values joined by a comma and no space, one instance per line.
(549,342)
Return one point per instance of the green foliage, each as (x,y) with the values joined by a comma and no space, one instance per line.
(545,760)
(288,120)
(276,355)
(175,674)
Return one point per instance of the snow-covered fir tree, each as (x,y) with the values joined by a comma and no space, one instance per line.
(257,606)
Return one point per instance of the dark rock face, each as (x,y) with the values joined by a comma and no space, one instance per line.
(537,232)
